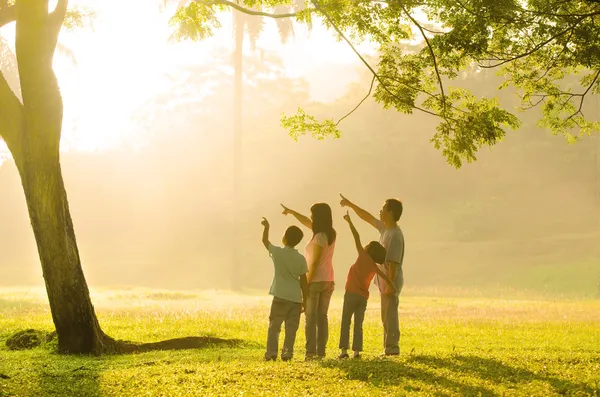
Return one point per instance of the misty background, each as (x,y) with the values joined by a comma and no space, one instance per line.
(158,212)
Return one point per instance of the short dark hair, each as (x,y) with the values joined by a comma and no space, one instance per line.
(377,252)
(293,235)
(395,207)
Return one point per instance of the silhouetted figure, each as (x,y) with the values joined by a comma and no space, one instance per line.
(392,239)
(357,290)
(289,288)
(319,255)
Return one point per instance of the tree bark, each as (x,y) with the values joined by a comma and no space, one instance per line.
(34,143)
(76,324)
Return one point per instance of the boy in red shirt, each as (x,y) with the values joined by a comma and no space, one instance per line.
(357,290)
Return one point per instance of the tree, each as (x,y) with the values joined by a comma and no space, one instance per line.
(535,45)
(31,129)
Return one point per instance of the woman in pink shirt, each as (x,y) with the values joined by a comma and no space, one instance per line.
(319,256)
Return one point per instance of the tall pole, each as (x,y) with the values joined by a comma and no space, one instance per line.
(237,146)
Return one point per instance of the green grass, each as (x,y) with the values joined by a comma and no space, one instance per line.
(450,346)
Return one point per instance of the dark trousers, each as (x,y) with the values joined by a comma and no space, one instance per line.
(282,311)
(391,324)
(354,305)
(317,327)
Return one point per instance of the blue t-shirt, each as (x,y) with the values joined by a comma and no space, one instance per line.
(289,266)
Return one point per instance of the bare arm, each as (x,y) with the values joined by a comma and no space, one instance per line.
(387,279)
(362,214)
(318,250)
(301,218)
(265,236)
(355,234)
(304,287)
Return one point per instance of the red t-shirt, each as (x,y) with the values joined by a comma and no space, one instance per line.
(361,274)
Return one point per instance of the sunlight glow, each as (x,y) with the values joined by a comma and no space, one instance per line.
(125,58)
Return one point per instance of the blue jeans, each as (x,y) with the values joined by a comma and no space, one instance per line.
(317,327)
(354,305)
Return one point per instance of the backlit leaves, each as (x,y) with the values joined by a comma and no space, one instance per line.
(301,124)
(195,21)
(549,50)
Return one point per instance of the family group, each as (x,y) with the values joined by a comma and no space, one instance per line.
(305,283)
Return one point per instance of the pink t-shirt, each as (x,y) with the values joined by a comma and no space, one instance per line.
(323,270)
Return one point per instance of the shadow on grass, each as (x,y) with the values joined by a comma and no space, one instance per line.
(389,372)
(70,377)
(43,372)
(190,342)
(462,374)
(500,373)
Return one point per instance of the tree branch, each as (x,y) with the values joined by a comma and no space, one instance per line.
(433,58)
(583,97)
(552,14)
(360,103)
(7,14)
(467,9)
(11,117)
(246,10)
(556,58)
(56,18)
(534,49)
(377,76)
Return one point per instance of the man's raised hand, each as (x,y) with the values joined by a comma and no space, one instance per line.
(286,210)
(344,202)
(265,222)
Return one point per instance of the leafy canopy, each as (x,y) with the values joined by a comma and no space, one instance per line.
(549,50)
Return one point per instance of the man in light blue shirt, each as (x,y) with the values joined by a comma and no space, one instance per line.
(289,289)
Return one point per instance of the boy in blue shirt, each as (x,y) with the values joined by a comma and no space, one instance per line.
(289,289)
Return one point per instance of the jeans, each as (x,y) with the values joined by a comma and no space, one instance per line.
(354,305)
(283,311)
(391,324)
(317,305)
(389,317)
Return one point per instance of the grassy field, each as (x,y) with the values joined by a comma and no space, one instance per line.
(451,345)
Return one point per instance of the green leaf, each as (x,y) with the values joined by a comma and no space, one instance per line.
(195,21)
(301,124)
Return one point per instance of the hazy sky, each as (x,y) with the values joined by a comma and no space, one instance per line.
(124,60)
(162,216)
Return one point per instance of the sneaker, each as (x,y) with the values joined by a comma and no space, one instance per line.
(343,356)
(356,356)
(270,358)
(286,358)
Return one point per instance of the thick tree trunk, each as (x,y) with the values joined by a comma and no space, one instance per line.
(237,147)
(36,154)
(77,328)
(32,131)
